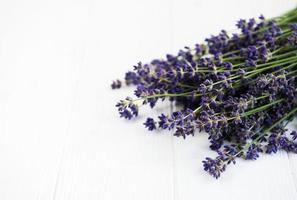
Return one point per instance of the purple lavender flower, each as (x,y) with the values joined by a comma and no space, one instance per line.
(253,152)
(150,124)
(127,108)
(294,135)
(219,43)
(214,166)
(239,89)
(116,84)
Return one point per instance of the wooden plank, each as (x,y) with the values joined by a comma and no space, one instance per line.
(107,157)
(41,53)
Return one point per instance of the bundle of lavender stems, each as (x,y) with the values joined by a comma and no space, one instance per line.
(238,88)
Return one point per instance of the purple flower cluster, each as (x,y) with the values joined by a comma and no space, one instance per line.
(127,108)
(239,89)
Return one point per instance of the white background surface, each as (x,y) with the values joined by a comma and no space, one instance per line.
(60,134)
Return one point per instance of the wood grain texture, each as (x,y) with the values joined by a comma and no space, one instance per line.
(60,134)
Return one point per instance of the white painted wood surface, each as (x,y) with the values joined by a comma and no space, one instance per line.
(60,135)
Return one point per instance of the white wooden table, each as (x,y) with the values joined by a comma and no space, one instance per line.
(60,135)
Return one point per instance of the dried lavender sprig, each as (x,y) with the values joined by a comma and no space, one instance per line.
(226,90)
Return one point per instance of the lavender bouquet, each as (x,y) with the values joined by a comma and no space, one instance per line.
(240,89)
